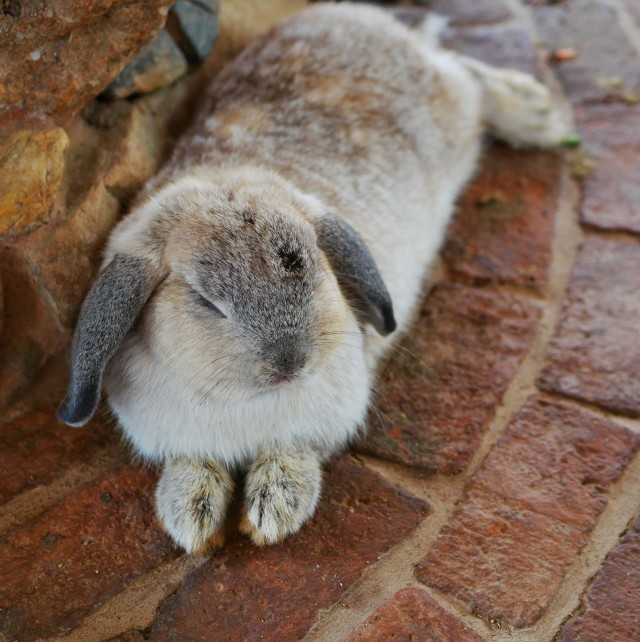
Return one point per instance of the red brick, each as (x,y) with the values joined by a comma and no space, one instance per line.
(612,608)
(558,461)
(66,563)
(411,615)
(465,13)
(611,194)
(441,388)
(275,593)
(506,549)
(606,67)
(499,45)
(503,228)
(595,353)
(36,448)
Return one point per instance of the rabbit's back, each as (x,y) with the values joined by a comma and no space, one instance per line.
(351,106)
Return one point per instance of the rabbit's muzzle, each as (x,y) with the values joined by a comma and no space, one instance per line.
(286,357)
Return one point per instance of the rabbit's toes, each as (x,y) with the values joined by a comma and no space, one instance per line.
(192,499)
(520,110)
(281,493)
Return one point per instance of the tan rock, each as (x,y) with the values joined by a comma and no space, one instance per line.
(66,261)
(30,335)
(31,165)
(144,141)
(56,55)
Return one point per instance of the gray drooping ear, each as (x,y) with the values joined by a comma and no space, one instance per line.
(108,312)
(356,271)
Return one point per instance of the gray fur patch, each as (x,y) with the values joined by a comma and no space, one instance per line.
(107,314)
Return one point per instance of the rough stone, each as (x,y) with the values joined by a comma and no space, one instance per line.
(114,150)
(58,55)
(145,140)
(30,334)
(31,165)
(70,560)
(507,546)
(275,593)
(159,64)
(198,25)
(462,13)
(503,228)
(412,615)
(595,354)
(612,605)
(611,193)
(79,239)
(503,46)
(604,68)
(440,390)
(35,449)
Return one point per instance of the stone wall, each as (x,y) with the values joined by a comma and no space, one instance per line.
(93,94)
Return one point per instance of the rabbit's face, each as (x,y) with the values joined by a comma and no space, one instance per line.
(239,283)
(250,301)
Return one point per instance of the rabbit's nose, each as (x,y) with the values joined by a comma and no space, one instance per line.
(287,356)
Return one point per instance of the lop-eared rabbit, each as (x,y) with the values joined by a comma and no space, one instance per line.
(245,303)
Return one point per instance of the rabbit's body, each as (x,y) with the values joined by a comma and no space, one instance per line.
(340,114)
(362,135)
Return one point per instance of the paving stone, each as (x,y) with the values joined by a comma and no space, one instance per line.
(606,67)
(440,390)
(411,615)
(464,13)
(503,562)
(595,353)
(71,559)
(36,448)
(506,549)
(611,193)
(504,46)
(503,228)
(275,593)
(558,461)
(612,609)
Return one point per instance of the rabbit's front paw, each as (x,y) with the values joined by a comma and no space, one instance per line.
(281,493)
(192,499)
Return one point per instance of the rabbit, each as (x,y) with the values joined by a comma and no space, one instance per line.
(246,302)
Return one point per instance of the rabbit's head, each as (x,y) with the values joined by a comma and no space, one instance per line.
(248,283)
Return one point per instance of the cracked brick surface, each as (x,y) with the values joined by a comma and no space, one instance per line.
(441,388)
(527,512)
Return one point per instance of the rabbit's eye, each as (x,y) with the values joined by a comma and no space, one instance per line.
(210,306)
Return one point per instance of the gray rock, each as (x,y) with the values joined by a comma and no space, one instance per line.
(159,64)
(198,25)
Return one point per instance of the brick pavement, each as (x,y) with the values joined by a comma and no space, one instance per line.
(497,496)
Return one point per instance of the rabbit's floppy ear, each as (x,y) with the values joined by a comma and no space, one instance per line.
(108,312)
(356,270)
